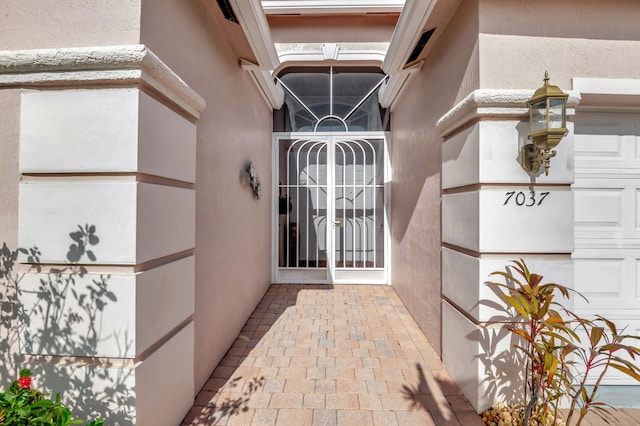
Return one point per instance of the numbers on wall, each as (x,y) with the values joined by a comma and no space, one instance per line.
(522,199)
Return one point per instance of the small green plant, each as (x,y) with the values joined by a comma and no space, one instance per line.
(23,405)
(557,364)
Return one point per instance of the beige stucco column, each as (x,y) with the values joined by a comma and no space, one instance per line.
(493,211)
(107,160)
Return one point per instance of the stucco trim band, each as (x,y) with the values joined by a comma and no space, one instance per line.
(607,86)
(126,64)
(490,103)
(608,92)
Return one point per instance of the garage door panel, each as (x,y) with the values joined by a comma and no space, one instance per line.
(607,220)
(606,141)
(604,278)
(598,145)
(606,209)
(598,208)
(637,215)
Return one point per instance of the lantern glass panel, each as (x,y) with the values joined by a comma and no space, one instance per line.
(556,113)
(537,115)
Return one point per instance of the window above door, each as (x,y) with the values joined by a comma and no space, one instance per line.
(331,99)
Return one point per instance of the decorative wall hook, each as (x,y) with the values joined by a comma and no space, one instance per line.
(254,179)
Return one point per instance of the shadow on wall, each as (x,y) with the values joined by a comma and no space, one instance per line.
(46,315)
(502,365)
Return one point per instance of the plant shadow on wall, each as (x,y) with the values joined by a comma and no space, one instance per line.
(49,313)
(502,367)
(563,358)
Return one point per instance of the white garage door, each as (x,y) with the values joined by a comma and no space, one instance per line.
(607,218)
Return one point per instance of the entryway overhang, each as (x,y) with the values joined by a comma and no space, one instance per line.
(360,37)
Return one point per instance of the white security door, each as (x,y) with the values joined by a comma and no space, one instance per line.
(607,218)
(331,215)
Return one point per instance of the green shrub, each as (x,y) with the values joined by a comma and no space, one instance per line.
(23,405)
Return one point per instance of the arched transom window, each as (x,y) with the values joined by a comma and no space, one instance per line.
(335,99)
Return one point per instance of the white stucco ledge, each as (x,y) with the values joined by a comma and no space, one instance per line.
(493,103)
(608,92)
(108,65)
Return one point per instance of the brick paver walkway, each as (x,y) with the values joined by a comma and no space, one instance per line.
(331,355)
(622,417)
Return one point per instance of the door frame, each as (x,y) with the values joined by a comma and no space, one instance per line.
(328,275)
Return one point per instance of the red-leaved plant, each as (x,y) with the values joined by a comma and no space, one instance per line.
(557,363)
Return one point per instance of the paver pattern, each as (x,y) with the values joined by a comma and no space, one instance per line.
(622,417)
(336,355)
(331,355)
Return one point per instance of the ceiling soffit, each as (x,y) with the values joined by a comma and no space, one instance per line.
(332,28)
(310,7)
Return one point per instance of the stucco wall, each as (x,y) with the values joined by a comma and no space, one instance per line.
(233,229)
(9,174)
(585,19)
(449,74)
(9,180)
(334,29)
(488,44)
(578,38)
(35,24)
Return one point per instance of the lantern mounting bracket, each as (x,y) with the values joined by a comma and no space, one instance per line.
(532,158)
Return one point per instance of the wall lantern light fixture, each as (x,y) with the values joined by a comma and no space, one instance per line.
(548,120)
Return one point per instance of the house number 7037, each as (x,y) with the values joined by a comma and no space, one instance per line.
(522,199)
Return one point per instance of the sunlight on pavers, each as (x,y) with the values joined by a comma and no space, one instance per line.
(331,355)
